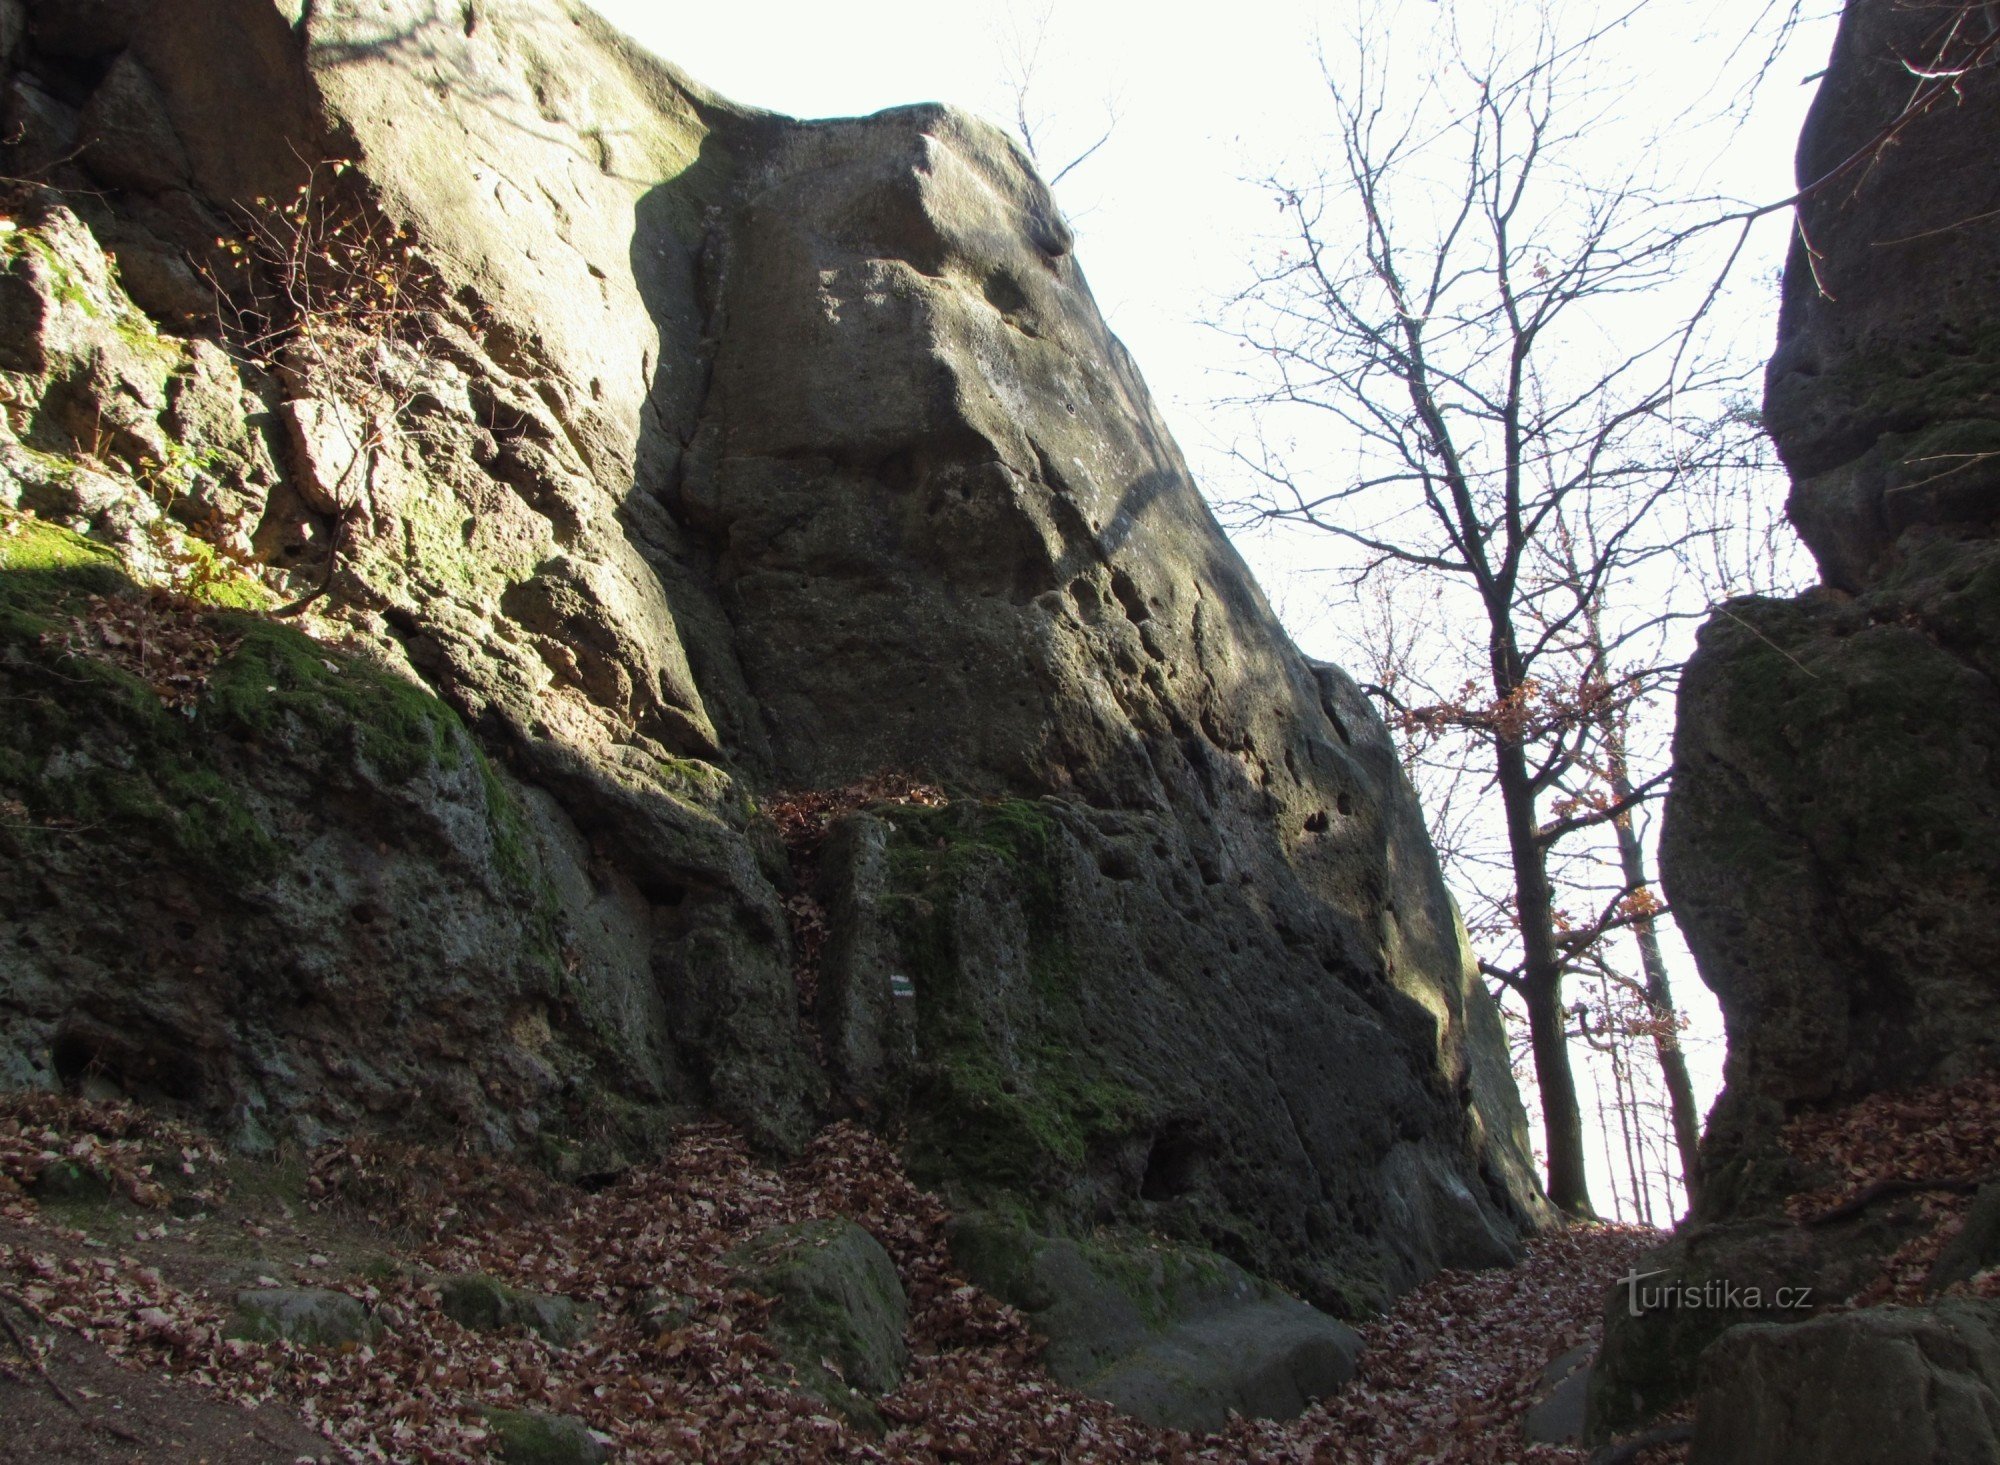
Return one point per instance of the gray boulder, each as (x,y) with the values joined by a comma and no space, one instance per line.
(744,455)
(482,1303)
(839,1300)
(1976,1247)
(312,1317)
(127,137)
(1882,1386)
(1557,1416)
(524,1437)
(1176,1336)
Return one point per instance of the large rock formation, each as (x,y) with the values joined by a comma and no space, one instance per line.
(703,455)
(1882,1386)
(1832,843)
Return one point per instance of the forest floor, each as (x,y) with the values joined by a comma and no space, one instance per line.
(115,1297)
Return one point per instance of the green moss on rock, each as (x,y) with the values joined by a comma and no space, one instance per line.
(838,1300)
(1006,1095)
(89,744)
(523,1437)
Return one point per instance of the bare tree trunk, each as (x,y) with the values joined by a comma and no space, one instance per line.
(1627,1092)
(1541,985)
(1604,1138)
(1660,996)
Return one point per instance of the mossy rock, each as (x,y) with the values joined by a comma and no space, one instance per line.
(522,1437)
(1710,1278)
(67,1182)
(1002,1098)
(130,761)
(1174,1335)
(487,1305)
(838,1298)
(312,1317)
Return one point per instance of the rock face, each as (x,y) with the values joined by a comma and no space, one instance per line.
(481,1303)
(1832,843)
(704,455)
(1882,1386)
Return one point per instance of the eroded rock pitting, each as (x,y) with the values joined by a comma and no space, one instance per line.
(745,455)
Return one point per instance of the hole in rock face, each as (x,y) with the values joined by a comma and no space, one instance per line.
(165,1067)
(1004,293)
(74,1061)
(1345,803)
(1174,1164)
(1134,603)
(1317,822)
(1116,862)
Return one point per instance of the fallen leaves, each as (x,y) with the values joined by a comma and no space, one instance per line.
(165,640)
(112,1142)
(1942,1132)
(1935,1143)
(678,1366)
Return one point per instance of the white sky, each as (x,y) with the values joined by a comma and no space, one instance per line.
(1208,99)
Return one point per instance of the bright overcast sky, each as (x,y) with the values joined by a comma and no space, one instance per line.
(1209,99)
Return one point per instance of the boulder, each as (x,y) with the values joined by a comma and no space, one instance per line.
(67,1182)
(128,139)
(487,1305)
(1837,768)
(523,1437)
(1557,1415)
(840,1309)
(1179,1337)
(1713,1276)
(1976,1246)
(1881,1386)
(312,1317)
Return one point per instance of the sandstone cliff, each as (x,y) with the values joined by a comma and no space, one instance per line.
(1829,846)
(717,456)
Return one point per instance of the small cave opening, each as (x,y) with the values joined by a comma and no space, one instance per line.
(1174,1164)
(81,1059)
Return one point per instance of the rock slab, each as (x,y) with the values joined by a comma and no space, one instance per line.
(1176,1337)
(1882,1386)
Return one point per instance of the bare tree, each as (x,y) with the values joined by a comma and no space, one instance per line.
(1454,304)
(1022,38)
(323,293)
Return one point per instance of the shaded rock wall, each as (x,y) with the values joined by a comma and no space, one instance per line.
(1832,842)
(1829,846)
(743,455)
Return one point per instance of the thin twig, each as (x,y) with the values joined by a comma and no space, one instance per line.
(1725,610)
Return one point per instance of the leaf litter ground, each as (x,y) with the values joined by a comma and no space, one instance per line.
(123,1237)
